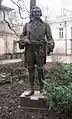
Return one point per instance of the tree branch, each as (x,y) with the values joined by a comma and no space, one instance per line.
(4,15)
(8,23)
(19,8)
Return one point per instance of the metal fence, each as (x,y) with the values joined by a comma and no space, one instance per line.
(12,56)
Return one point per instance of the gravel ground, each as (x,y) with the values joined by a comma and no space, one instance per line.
(13,82)
(10,91)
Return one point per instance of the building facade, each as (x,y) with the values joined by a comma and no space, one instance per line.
(62,33)
(7,36)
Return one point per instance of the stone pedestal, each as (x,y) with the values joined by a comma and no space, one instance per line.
(34,101)
(34,105)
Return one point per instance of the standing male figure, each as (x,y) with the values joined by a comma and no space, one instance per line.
(35,46)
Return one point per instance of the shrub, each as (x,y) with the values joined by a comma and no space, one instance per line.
(58,88)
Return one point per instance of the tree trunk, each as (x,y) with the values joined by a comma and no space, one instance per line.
(32,3)
(0,2)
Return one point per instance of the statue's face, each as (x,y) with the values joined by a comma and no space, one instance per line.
(36,13)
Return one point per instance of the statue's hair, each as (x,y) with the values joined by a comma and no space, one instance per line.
(35,7)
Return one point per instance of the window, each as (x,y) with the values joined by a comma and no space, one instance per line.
(61,35)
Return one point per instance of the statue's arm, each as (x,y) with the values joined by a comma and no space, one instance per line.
(24,33)
(21,41)
(50,40)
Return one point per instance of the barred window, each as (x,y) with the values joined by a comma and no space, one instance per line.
(61,33)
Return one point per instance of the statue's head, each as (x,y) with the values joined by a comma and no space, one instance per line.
(36,12)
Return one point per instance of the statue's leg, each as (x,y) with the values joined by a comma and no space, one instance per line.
(40,68)
(30,64)
(40,77)
(31,81)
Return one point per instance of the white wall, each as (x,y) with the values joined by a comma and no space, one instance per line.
(60,44)
(1,46)
(55,30)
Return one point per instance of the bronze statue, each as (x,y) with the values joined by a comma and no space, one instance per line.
(33,39)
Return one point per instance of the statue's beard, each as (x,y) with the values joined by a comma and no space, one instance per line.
(36,17)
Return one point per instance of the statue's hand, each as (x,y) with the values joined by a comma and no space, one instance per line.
(50,47)
(26,40)
(21,44)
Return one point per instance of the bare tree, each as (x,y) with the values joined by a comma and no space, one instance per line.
(21,13)
(17,15)
(0,2)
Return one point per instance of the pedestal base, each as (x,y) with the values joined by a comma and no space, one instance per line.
(34,101)
(34,105)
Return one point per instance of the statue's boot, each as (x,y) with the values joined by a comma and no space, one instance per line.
(41,79)
(31,82)
(41,86)
(30,92)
